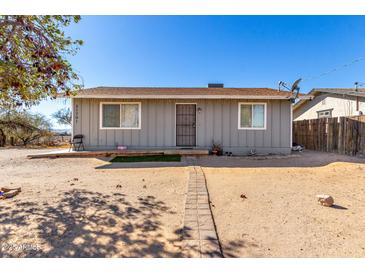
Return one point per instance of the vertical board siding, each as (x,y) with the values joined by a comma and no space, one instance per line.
(166,123)
(75,119)
(200,118)
(171,123)
(233,114)
(85,124)
(119,137)
(209,123)
(94,122)
(251,138)
(284,121)
(143,132)
(159,105)
(217,121)
(226,142)
(267,136)
(276,124)
(151,124)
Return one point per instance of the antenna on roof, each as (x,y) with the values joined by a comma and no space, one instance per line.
(294,88)
(283,84)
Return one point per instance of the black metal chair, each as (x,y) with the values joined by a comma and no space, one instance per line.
(77,142)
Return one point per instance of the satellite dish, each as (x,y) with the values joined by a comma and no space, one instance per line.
(295,88)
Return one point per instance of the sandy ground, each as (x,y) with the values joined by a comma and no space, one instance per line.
(281,217)
(73,208)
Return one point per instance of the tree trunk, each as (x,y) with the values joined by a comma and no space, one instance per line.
(25,141)
(2,138)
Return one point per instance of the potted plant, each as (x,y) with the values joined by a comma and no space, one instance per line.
(217,149)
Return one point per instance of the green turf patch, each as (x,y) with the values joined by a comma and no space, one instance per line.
(146,158)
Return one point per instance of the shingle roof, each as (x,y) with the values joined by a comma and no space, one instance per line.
(155,92)
(340,91)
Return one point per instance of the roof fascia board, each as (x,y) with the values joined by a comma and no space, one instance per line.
(341,92)
(181,97)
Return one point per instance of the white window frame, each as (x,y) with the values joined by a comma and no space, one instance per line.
(324,111)
(252,103)
(120,118)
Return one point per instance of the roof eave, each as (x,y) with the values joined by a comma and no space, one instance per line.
(343,92)
(306,97)
(302,100)
(182,97)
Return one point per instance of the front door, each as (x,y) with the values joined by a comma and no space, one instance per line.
(185,125)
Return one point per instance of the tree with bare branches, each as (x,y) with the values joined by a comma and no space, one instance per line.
(63,116)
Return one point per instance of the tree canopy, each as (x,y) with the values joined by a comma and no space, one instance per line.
(33,64)
(63,116)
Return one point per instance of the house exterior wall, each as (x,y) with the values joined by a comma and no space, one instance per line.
(217,120)
(340,105)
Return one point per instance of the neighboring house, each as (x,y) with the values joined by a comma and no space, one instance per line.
(330,102)
(239,119)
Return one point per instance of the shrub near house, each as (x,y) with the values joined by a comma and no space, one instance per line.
(23,127)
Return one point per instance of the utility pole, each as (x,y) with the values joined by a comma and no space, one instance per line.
(357,85)
(357,97)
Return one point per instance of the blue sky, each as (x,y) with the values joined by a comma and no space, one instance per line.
(239,51)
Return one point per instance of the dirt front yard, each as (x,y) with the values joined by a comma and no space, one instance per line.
(87,207)
(83,208)
(281,217)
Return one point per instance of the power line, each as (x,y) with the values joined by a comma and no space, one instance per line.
(334,69)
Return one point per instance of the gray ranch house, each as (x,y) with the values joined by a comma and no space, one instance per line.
(239,119)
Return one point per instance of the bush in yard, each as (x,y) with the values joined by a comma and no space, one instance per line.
(24,126)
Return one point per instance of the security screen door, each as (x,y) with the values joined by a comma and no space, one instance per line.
(185,125)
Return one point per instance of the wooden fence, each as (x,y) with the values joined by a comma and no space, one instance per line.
(344,135)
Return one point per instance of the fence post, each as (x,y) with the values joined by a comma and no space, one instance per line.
(340,130)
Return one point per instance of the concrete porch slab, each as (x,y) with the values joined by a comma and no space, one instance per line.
(109,153)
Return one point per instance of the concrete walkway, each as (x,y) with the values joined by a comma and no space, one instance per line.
(199,233)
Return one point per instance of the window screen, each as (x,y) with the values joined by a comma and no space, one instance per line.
(130,115)
(258,116)
(111,115)
(121,115)
(252,116)
(246,115)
